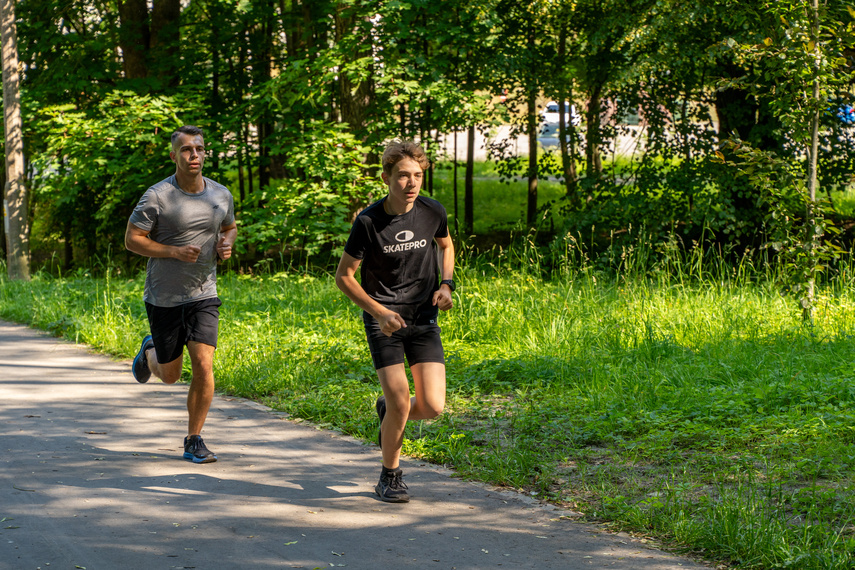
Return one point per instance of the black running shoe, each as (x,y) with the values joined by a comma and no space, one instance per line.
(391,488)
(140,366)
(380,406)
(195,450)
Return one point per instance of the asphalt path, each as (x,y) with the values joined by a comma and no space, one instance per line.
(92,476)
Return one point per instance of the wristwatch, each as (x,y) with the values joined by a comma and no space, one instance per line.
(450,283)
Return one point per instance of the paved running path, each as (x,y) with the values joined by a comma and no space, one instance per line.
(91,476)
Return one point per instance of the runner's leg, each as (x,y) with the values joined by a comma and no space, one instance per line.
(201,392)
(396,388)
(428,402)
(429,384)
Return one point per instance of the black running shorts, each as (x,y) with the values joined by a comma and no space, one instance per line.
(419,343)
(173,327)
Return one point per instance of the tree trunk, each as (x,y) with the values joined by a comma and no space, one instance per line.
(15,201)
(216,104)
(3,185)
(593,162)
(454,177)
(568,155)
(264,128)
(165,39)
(354,98)
(813,154)
(468,200)
(241,188)
(531,211)
(134,37)
(242,137)
(426,128)
(68,249)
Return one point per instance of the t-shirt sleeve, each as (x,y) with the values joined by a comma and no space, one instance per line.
(146,212)
(358,240)
(230,216)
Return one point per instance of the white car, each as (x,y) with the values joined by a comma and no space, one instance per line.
(548,136)
(549,118)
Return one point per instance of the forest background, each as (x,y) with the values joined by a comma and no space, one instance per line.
(621,344)
(298,99)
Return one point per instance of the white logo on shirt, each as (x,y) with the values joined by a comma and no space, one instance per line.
(407,242)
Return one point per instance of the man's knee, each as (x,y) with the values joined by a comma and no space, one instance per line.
(201,354)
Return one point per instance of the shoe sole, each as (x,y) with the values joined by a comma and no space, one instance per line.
(405,499)
(139,355)
(194,459)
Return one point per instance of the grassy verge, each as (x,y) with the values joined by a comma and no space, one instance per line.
(701,412)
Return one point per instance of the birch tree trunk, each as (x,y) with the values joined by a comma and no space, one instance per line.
(813,154)
(15,198)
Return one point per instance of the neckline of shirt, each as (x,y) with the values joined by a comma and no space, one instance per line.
(174,182)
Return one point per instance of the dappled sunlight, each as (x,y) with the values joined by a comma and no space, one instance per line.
(94,475)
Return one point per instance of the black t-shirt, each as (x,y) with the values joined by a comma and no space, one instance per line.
(400,265)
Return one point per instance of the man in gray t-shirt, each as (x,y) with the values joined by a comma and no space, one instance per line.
(183,225)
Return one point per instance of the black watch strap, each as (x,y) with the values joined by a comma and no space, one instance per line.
(450,283)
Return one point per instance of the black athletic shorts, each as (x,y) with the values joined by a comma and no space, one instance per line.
(419,343)
(173,327)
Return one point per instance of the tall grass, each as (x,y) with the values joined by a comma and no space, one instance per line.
(679,395)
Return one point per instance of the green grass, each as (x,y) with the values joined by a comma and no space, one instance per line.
(498,206)
(692,406)
(844,201)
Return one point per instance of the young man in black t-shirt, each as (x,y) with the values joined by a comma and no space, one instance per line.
(407,261)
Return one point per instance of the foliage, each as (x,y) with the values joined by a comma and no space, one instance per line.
(98,162)
(799,230)
(314,215)
(270,80)
(794,55)
(67,49)
(804,60)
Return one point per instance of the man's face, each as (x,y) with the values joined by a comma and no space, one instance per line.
(188,153)
(404,181)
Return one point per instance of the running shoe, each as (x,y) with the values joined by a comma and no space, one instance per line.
(195,450)
(380,406)
(140,366)
(391,488)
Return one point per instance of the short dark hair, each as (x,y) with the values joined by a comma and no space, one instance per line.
(187,130)
(396,151)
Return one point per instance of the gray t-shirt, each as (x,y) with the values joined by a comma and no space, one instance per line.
(175,217)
